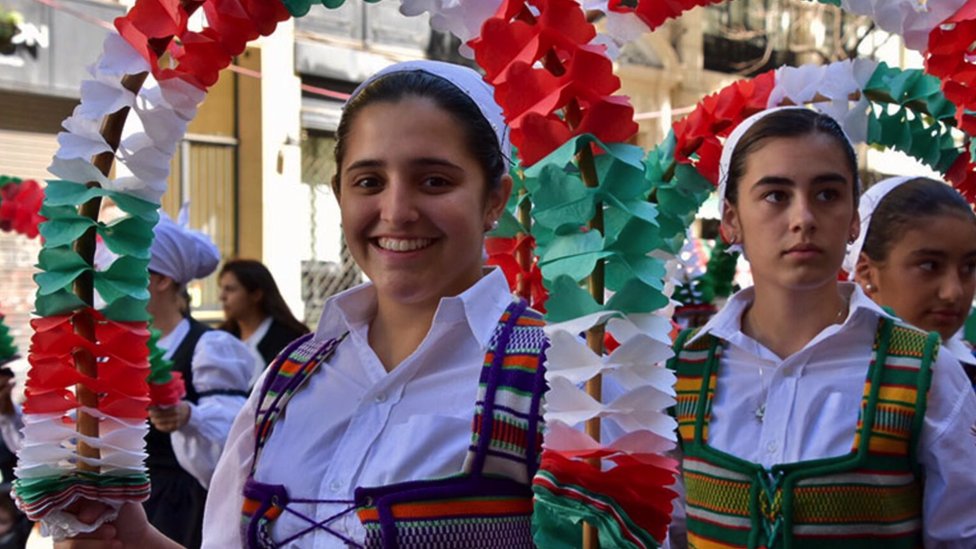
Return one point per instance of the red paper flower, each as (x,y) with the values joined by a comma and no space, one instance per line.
(949,58)
(19,207)
(716,116)
(199,56)
(572,94)
(526,282)
(119,350)
(655,12)
(169,393)
(639,483)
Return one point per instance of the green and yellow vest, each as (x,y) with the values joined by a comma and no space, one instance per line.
(871,497)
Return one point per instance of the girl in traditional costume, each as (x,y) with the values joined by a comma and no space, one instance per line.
(808,416)
(411,417)
(916,256)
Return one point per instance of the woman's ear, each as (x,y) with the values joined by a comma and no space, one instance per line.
(497,199)
(730,227)
(866,274)
(335,186)
(855,229)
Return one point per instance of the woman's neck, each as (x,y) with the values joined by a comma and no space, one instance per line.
(785,320)
(249,324)
(398,329)
(167,320)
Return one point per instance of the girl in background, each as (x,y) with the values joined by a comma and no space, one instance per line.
(254,310)
(917,257)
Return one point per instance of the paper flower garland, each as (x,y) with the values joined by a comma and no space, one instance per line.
(904,110)
(54,470)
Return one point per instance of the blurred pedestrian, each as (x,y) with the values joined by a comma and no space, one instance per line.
(254,310)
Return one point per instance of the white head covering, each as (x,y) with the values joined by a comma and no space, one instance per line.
(729,147)
(869,202)
(180,252)
(468,81)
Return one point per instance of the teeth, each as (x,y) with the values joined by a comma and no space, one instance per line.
(403,245)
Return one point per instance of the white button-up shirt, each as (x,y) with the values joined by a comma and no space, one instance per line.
(812,400)
(220,362)
(355,424)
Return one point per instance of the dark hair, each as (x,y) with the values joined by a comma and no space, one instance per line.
(482,140)
(903,207)
(786,123)
(254,276)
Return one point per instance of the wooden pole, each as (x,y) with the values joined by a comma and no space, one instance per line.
(84,286)
(595,335)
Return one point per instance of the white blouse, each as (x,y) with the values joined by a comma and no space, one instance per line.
(222,362)
(812,399)
(355,424)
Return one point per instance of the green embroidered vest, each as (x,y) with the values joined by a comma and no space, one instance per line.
(871,497)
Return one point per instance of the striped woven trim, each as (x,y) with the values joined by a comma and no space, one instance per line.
(897,395)
(880,497)
(826,507)
(451,509)
(515,398)
(288,374)
(716,494)
(690,364)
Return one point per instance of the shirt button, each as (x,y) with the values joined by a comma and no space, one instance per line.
(381,398)
(772,447)
(335,486)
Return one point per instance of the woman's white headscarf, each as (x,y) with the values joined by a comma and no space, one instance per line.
(468,81)
(729,147)
(869,203)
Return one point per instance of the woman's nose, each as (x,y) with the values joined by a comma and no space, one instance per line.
(398,203)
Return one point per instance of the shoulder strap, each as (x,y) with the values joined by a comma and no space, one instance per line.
(287,373)
(693,401)
(506,432)
(679,343)
(896,407)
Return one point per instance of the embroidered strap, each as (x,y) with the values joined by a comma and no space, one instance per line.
(289,371)
(512,382)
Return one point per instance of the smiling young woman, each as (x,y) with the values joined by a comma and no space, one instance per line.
(377,406)
(806,412)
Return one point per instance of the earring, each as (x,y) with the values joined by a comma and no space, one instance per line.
(869,288)
(729,239)
(492,226)
(851,239)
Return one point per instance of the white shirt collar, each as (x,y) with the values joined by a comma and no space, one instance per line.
(480,307)
(171,341)
(727,323)
(960,349)
(259,334)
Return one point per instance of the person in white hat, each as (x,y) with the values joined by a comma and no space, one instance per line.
(185,440)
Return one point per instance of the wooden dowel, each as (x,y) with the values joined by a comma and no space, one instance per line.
(594,336)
